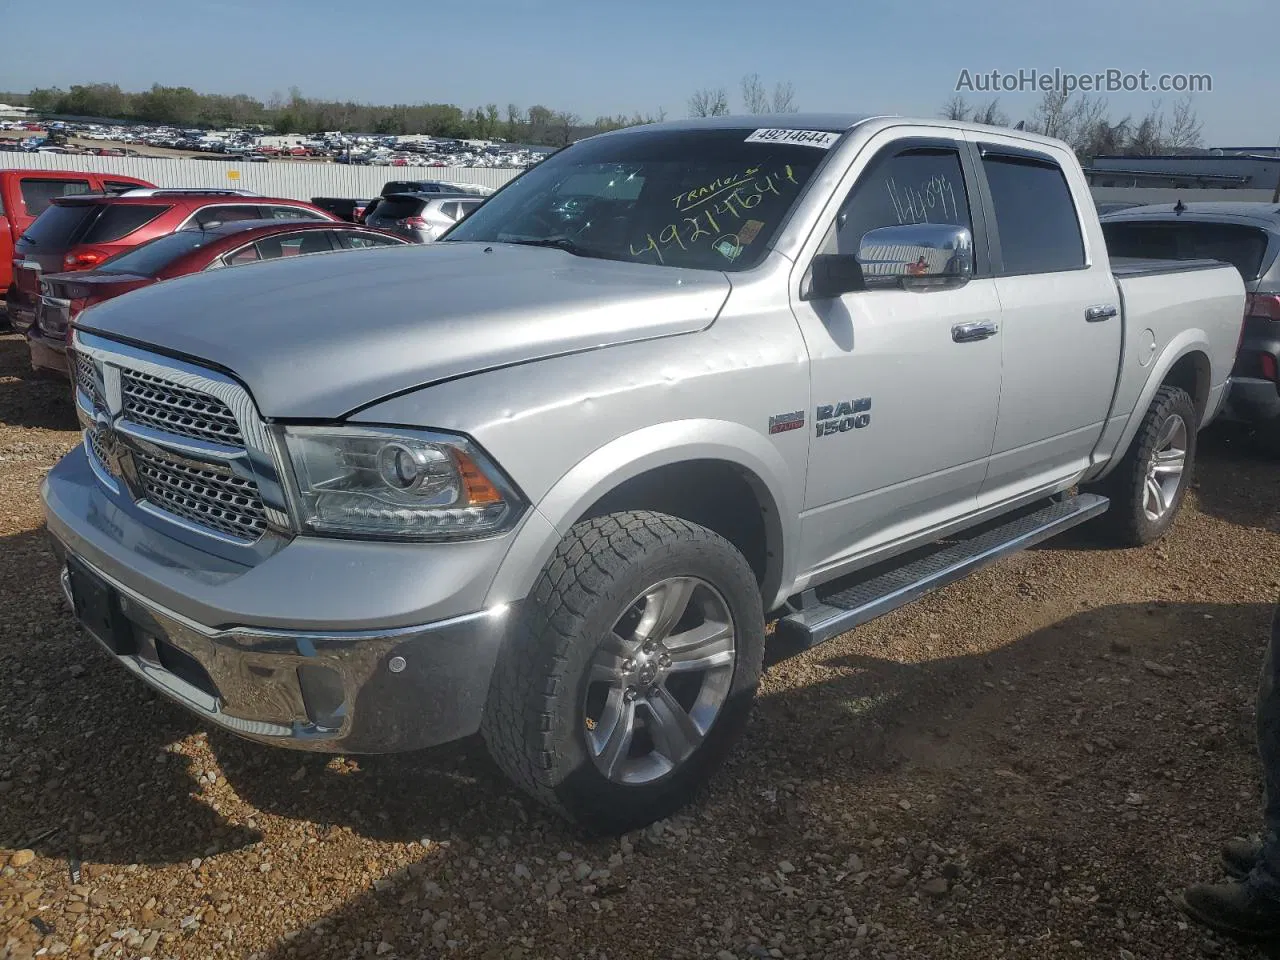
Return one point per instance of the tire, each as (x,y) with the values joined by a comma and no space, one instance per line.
(1130,521)
(547,718)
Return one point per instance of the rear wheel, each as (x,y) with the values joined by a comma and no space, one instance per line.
(1149,484)
(633,672)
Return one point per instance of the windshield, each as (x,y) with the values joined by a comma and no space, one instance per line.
(708,199)
(149,258)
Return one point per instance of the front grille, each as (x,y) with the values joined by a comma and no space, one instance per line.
(100,452)
(166,406)
(206,496)
(87,378)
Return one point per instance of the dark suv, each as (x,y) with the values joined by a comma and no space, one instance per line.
(1246,235)
(80,232)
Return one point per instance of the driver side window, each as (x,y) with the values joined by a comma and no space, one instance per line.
(911,185)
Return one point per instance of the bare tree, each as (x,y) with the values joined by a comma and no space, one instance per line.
(562,125)
(957,108)
(991,114)
(784,97)
(1184,128)
(709,103)
(754,99)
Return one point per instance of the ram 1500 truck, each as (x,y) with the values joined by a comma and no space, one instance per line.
(548,479)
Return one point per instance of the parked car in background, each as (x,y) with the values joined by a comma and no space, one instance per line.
(434,186)
(63,296)
(344,208)
(549,478)
(81,232)
(420,217)
(1247,236)
(25,194)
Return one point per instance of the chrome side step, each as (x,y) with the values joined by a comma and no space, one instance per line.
(825,616)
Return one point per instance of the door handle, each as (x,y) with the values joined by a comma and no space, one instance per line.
(969,332)
(1103,311)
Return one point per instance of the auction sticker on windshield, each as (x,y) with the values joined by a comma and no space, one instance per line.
(822,139)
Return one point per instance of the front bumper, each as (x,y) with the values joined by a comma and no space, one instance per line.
(367,692)
(340,646)
(47,353)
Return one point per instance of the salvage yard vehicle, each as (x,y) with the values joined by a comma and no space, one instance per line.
(64,295)
(421,218)
(80,232)
(25,194)
(1247,236)
(549,477)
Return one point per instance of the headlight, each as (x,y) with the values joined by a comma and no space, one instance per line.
(404,484)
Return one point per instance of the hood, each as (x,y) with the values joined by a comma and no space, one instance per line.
(318,336)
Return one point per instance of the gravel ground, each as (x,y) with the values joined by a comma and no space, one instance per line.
(1020,766)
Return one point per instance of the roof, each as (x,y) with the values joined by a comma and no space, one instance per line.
(1232,211)
(840,122)
(785,121)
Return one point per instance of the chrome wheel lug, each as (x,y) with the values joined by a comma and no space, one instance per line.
(629,693)
(628,665)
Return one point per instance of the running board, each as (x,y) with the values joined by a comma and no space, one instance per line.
(828,616)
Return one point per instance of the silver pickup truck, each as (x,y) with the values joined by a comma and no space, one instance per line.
(550,478)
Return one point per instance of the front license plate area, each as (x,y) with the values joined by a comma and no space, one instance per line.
(97,607)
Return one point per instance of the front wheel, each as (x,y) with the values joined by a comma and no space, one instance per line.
(633,671)
(1148,486)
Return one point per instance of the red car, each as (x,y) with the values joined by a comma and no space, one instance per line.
(25,194)
(64,295)
(80,232)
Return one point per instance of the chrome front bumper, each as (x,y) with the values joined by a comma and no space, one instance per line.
(349,692)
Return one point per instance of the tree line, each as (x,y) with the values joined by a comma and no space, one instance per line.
(295,113)
(1085,123)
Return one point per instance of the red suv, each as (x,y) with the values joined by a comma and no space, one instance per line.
(80,232)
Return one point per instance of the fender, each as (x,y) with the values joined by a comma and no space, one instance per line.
(635,453)
(1187,342)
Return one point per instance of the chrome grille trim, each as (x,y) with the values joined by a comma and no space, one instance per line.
(208,497)
(98,460)
(155,402)
(211,466)
(87,378)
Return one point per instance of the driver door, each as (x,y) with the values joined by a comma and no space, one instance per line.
(897,366)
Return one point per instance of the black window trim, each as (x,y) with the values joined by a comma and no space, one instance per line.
(979,152)
(972,184)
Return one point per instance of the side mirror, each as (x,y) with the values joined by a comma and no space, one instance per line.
(833,274)
(916,255)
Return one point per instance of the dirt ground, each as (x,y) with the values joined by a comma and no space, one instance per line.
(1020,766)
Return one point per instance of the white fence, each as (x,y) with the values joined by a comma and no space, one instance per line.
(294,179)
(302,181)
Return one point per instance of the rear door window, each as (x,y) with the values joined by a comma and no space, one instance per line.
(294,244)
(119,220)
(365,241)
(207,216)
(1035,216)
(291,213)
(37,194)
(1243,247)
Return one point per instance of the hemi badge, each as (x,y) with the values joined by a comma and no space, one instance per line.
(786,421)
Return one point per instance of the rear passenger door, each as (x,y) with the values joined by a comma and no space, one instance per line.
(1061,328)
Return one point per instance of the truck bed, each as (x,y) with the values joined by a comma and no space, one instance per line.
(1126,267)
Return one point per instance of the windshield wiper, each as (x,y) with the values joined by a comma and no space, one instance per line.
(567,244)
